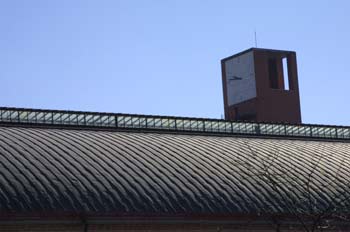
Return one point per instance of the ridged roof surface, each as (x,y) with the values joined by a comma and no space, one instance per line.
(131,173)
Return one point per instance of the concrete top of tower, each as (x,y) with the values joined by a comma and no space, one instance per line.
(257,49)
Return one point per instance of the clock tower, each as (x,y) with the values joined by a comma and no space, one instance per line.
(261,85)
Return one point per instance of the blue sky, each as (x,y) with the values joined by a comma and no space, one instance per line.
(163,57)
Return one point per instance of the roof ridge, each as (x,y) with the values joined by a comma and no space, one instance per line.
(167,123)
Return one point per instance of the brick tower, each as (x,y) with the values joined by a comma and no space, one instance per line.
(261,85)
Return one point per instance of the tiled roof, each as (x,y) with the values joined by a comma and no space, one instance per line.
(98,172)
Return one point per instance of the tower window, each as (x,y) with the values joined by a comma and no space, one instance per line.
(273,73)
(279,73)
(285,73)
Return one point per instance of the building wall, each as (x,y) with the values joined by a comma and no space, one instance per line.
(148,228)
(277,105)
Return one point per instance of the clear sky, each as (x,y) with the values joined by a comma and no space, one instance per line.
(163,56)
